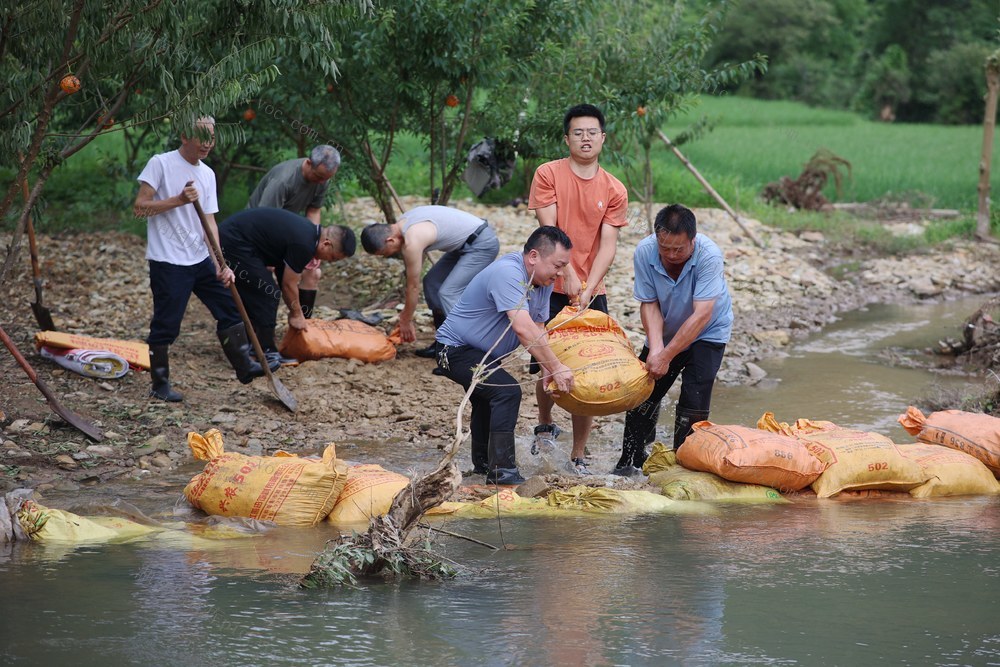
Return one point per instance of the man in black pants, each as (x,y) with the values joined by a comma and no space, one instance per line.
(256,238)
(688,317)
(180,263)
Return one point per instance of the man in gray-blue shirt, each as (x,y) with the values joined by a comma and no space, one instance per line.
(687,313)
(506,304)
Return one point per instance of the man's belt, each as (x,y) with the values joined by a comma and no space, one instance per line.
(475,235)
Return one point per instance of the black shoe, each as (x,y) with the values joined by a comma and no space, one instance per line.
(429,352)
(504,477)
(627,471)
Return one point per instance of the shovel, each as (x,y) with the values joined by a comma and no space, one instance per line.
(279,389)
(68,415)
(42,314)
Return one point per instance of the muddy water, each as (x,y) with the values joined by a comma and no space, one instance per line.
(808,583)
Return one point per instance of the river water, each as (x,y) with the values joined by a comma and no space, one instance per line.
(899,582)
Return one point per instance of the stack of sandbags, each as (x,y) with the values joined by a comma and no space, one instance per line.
(677,482)
(284,488)
(976,434)
(853,460)
(608,377)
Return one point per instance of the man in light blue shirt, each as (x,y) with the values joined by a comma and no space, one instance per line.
(506,304)
(687,314)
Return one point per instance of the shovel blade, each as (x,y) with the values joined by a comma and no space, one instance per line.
(282,393)
(43,317)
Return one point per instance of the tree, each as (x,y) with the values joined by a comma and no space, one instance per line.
(992,68)
(188,57)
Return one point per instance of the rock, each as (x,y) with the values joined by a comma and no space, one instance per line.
(533,487)
(812,237)
(776,337)
(224,418)
(156,443)
(101,450)
(254,447)
(755,372)
(67,462)
(80,456)
(160,460)
(112,435)
(18,425)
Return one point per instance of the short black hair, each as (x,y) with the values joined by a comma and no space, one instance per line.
(582,111)
(373,237)
(545,238)
(348,243)
(676,219)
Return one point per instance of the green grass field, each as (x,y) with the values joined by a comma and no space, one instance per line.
(755,142)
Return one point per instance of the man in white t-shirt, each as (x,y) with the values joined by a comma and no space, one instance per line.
(179,259)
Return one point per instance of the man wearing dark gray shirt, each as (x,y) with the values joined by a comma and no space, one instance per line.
(300,186)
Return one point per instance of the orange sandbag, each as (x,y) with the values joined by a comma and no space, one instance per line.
(347,339)
(285,489)
(369,492)
(609,377)
(749,455)
(971,432)
(135,352)
(953,472)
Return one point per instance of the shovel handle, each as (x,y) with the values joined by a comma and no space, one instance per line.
(221,261)
(279,389)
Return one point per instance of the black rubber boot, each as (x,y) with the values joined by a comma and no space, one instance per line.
(159,371)
(683,421)
(307,299)
(274,358)
(480,458)
(429,352)
(502,465)
(237,349)
(439,317)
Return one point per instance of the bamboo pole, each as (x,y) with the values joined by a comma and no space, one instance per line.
(708,188)
(989,123)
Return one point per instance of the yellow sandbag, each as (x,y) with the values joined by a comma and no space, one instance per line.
(348,339)
(608,377)
(973,433)
(677,482)
(506,502)
(43,524)
(135,352)
(856,460)
(369,492)
(602,500)
(750,456)
(953,472)
(284,489)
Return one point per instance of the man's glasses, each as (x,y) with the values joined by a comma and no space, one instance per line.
(590,133)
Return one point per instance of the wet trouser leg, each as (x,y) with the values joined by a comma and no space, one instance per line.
(699,365)
(496,401)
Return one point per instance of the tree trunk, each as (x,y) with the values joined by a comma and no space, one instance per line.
(989,122)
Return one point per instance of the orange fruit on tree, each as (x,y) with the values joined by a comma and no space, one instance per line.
(451,101)
(69,84)
(329,87)
(641,111)
(105,121)
(249,115)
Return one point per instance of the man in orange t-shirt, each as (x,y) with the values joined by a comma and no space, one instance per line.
(579,197)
